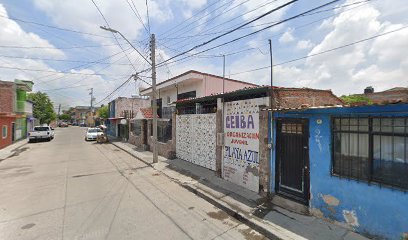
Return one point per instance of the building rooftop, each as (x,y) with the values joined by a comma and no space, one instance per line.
(284,98)
(201,73)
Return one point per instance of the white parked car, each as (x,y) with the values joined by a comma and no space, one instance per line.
(92,133)
(41,133)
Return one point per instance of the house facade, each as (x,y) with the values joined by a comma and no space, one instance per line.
(345,164)
(79,114)
(191,84)
(229,133)
(16,116)
(7,115)
(120,111)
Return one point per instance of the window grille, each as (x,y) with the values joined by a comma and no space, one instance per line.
(371,149)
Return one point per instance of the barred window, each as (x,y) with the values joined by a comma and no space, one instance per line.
(371,149)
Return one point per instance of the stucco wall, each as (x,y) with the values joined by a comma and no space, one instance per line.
(129,104)
(367,208)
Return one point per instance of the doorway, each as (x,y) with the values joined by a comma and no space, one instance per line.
(292,159)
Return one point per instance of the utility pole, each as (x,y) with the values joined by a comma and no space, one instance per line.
(223,74)
(59,110)
(153,58)
(271,91)
(92,98)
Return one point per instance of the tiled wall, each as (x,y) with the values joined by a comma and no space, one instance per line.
(196,139)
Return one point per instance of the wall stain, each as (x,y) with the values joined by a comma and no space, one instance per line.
(330,200)
(351,218)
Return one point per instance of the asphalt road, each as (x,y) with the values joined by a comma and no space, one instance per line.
(72,189)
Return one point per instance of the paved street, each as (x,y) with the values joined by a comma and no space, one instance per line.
(72,189)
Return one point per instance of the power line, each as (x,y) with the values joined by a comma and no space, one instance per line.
(233,30)
(215,17)
(121,85)
(137,14)
(244,36)
(54,27)
(323,52)
(40,70)
(223,5)
(232,19)
(148,18)
(61,48)
(191,17)
(100,12)
(83,79)
(81,66)
(61,60)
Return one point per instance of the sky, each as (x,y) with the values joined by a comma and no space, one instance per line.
(59,45)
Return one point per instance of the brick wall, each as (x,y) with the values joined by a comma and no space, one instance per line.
(7,97)
(5,121)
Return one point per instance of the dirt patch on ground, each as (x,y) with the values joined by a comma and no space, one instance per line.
(251,234)
(220,215)
(28,226)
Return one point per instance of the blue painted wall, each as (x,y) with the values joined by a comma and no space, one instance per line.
(379,211)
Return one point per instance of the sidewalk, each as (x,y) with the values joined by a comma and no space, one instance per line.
(12,149)
(247,206)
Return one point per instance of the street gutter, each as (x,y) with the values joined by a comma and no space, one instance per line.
(251,221)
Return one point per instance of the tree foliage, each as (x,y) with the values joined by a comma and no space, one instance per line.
(65,117)
(43,109)
(103,112)
(353,99)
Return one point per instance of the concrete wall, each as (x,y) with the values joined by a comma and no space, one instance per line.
(367,208)
(168,149)
(138,140)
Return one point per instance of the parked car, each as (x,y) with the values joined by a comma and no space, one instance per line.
(41,133)
(63,124)
(92,133)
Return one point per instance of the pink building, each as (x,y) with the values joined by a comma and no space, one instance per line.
(191,84)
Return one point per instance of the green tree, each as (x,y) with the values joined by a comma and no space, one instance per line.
(65,117)
(352,99)
(43,109)
(103,112)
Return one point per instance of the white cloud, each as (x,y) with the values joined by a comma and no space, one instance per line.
(304,44)
(13,35)
(287,37)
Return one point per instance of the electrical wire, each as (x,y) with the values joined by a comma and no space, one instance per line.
(244,36)
(235,29)
(54,27)
(323,52)
(61,60)
(136,12)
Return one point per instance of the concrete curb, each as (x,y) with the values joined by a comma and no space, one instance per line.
(130,153)
(19,144)
(251,222)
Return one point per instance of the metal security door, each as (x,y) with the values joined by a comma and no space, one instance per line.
(293,159)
